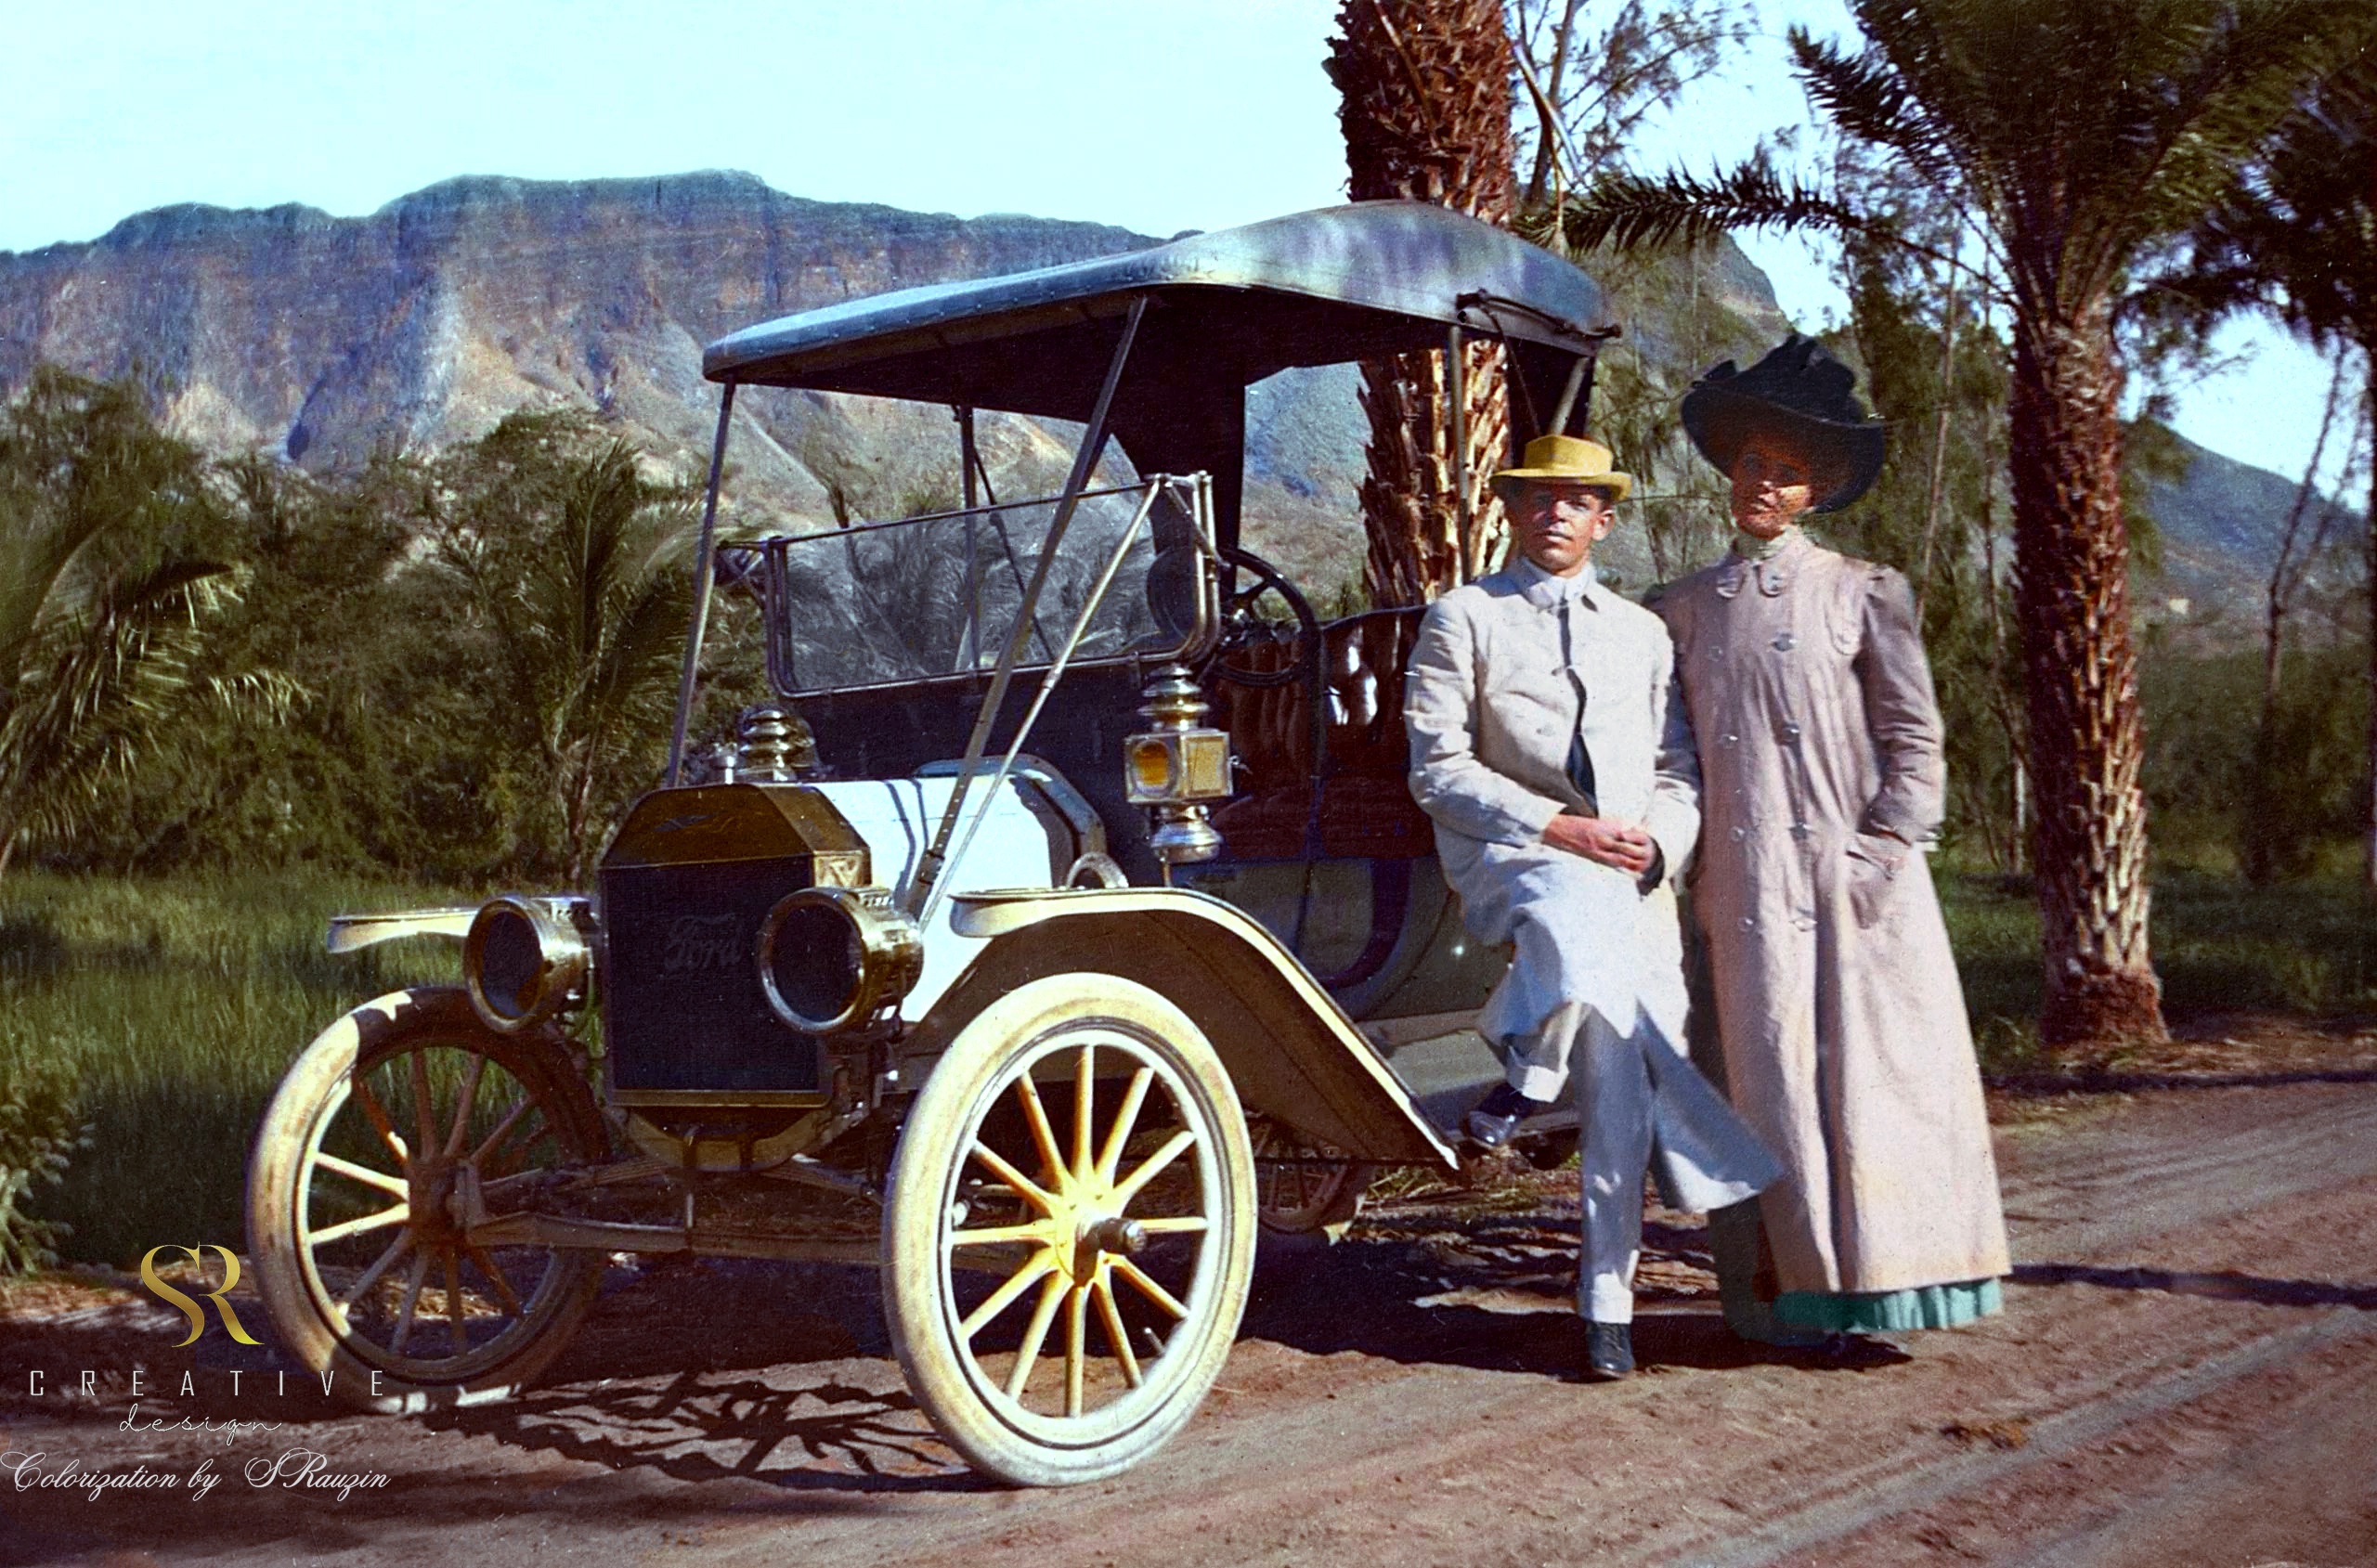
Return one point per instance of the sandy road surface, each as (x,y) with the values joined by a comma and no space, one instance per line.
(2187,1374)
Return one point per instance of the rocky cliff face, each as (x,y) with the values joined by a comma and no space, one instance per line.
(321,339)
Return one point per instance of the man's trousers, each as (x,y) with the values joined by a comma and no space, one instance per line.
(1640,1104)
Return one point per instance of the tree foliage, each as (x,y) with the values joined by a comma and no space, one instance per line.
(108,593)
(2071,140)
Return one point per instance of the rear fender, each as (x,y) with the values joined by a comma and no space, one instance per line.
(1291,1052)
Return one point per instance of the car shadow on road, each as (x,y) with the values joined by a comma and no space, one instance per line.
(797,1434)
(2227,1286)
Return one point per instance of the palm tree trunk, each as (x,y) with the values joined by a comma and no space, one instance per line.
(2369,841)
(2080,669)
(1426,113)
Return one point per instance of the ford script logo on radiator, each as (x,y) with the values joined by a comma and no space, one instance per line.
(702,942)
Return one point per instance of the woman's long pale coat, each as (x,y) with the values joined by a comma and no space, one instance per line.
(1843,1025)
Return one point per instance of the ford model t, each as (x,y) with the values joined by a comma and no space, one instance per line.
(1062,923)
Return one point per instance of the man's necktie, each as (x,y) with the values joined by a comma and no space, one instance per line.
(1580,762)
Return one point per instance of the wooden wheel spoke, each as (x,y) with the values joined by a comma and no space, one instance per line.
(1085,1107)
(494,1272)
(1153,1167)
(394,1215)
(370,1276)
(502,1129)
(1043,1135)
(1174,1224)
(1126,1120)
(1031,1274)
(364,1173)
(1076,1345)
(454,1300)
(412,1298)
(423,1115)
(1030,1190)
(1111,1316)
(1148,1287)
(993,1236)
(461,1122)
(1027,1354)
(383,1121)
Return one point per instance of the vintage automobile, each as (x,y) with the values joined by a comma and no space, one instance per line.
(1062,924)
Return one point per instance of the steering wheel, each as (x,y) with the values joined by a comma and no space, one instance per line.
(1242,628)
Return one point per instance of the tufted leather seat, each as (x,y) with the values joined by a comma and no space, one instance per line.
(1366,808)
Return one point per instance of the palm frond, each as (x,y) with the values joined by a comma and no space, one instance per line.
(1626,210)
(93,682)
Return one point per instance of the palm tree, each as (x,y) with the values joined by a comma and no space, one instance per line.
(2076,137)
(1426,113)
(571,559)
(103,609)
(2296,233)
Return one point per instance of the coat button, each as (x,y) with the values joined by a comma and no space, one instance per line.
(1785,641)
(1790,732)
(1739,833)
(1729,740)
(1749,923)
(1803,832)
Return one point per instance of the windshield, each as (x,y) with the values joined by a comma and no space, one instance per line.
(887,603)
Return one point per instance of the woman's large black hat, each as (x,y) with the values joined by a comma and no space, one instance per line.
(1799,390)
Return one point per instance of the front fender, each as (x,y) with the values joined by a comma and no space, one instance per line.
(1291,1052)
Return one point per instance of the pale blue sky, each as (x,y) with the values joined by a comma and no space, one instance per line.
(1157,115)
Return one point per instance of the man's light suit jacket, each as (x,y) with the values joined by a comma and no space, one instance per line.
(1493,708)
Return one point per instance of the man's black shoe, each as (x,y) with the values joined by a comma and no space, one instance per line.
(1498,1116)
(1609,1352)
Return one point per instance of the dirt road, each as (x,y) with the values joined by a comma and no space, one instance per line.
(2186,1374)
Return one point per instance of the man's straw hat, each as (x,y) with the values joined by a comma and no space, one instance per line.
(1565,459)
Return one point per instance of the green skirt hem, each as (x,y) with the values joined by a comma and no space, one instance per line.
(1884,1312)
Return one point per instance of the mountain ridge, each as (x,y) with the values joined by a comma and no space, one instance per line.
(322,340)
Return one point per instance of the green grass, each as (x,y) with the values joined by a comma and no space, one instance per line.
(173,1008)
(2303,947)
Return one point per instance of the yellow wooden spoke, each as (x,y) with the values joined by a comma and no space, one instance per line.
(328,1234)
(1041,1266)
(991,1236)
(1148,1287)
(1173,1147)
(363,1173)
(1125,1121)
(1044,1313)
(461,1124)
(1085,1106)
(494,1272)
(1025,1188)
(1044,1135)
(383,1121)
(1076,1343)
(1112,1317)
(412,1296)
(370,1276)
(1171,1224)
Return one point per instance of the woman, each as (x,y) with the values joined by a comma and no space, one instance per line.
(1842,1024)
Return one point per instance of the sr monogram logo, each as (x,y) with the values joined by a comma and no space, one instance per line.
(189,1307)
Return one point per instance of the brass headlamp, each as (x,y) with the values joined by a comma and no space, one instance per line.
(526,960)
(833,957)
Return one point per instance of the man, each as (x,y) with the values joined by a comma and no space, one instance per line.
(1549,748)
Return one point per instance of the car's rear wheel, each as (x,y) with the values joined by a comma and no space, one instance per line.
(353,1229)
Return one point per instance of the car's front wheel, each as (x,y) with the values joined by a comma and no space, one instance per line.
(1069,1231)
